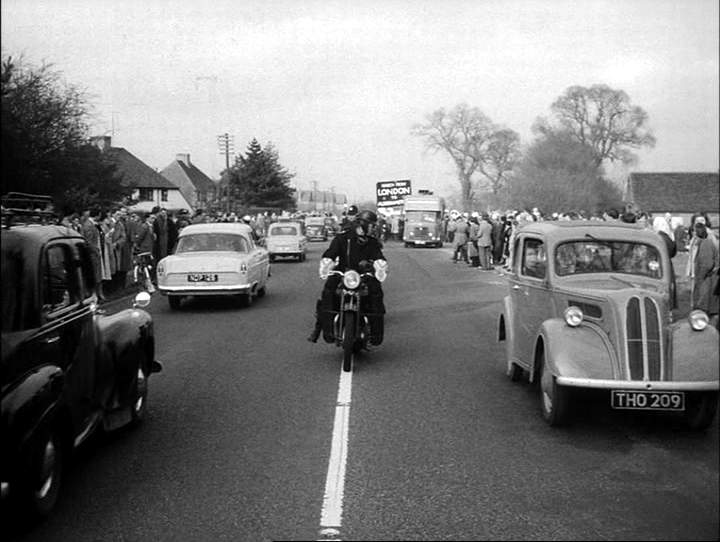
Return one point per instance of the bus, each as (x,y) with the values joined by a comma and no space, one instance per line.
(423,220)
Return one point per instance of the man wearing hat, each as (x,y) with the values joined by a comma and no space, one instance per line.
(484,242)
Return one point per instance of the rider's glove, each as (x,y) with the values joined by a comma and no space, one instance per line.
(381,269)
(326,265)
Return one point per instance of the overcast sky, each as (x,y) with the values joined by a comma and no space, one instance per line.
(337,86)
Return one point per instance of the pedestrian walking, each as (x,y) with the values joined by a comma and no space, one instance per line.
(484,242)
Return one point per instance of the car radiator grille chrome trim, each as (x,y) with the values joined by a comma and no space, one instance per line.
(645,357)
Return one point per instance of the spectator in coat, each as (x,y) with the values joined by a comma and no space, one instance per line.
(89,230)
(472,244)
(485,242)
(460,231)
(706,265)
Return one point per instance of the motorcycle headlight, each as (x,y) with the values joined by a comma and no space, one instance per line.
(351,280)
(698,320)
(573,316)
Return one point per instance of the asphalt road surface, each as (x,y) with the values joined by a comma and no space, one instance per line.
(242,442)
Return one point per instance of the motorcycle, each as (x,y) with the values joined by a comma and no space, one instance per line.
(351,325)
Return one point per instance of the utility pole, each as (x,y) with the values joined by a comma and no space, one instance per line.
(314,194)
(226,143)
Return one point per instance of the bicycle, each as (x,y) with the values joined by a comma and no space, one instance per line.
(142,264)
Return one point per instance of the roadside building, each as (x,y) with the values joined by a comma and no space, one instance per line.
(680,194)
(150,189)
(198,189)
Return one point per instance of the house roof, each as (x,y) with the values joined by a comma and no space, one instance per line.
(674,192)
(198,179)
(134,171)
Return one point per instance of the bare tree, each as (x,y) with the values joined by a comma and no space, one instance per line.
(465,134)
(503,153)
(602,118)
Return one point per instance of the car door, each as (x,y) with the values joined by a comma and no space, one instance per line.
(257,262)
(68,322)
(531,294)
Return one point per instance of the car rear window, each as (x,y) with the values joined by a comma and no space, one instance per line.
(599,256)
(211,242)
(283,230)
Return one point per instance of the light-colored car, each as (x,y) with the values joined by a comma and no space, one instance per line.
(214,259)
(286,239)
(590,307)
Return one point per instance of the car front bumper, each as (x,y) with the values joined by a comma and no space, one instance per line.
(644,385)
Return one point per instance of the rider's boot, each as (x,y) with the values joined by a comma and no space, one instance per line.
(315,333)
(377,325)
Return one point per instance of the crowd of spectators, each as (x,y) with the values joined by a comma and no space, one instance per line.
(482,240)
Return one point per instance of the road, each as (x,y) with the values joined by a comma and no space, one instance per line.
(440,444)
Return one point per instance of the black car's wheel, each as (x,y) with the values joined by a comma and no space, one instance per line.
(553,398)
(348,340)
(138,407)
(174,301)
(39,484)
(700,410)
(262,291)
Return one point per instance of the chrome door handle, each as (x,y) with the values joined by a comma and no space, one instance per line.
(51,340)
(516,287)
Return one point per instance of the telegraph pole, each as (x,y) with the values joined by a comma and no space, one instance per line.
(226,143)
(314,194)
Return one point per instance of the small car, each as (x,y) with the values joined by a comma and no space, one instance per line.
(286,239)
(68,368)
(589,307)
(315,229)
(214,259)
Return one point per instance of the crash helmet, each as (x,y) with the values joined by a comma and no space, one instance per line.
(367,220)
(247,219)
(352,210)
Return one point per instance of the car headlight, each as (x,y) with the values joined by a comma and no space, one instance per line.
(351,280)
(698,320)
(573,316)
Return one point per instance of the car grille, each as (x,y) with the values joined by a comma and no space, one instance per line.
(421,232)
(644,347)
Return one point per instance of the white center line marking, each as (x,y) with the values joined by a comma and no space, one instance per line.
(331,515)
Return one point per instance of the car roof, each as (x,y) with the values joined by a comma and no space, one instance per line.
(216,227)
(39,234)
(572,229)
(285,223)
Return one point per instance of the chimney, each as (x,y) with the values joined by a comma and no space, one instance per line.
(101,142)
(184,158)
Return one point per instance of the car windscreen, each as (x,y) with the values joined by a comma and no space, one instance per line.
(210,242)
(600,256)
(283,230)
(421,216)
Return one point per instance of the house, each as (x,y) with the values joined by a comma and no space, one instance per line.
(197,188)
(680,194)
(150,188)
(321,201)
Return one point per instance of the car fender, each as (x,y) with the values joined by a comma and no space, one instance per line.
(694,354)
(31,403)
(505,331)
(579,352)
(124,338)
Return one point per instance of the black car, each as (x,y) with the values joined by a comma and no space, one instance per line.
(67,368)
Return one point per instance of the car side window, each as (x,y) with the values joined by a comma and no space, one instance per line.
(59,289)
(534,259)
(87,272)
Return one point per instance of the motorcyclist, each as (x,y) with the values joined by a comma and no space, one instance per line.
(349,218)
(356,248)
(247,219)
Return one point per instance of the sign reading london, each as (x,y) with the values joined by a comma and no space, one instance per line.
(392,192)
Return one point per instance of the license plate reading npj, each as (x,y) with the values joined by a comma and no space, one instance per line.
(648,400)
(202,277)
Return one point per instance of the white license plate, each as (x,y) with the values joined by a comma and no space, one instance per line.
(202,277)
(648,400)
(419,242)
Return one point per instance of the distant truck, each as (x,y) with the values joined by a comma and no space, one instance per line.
(423,220)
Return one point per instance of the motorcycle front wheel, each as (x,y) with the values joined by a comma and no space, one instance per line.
(348,340)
